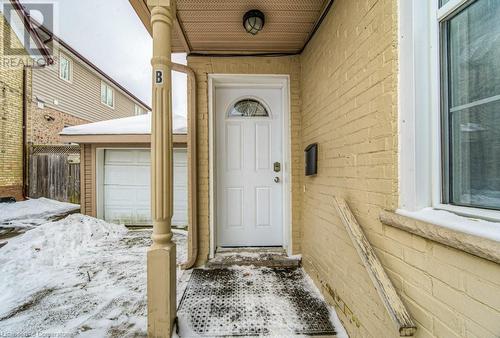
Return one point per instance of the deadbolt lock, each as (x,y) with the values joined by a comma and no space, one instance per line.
(277,167)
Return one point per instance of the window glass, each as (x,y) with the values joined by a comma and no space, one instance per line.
(472,113)
(64,68)
(248,108)
(107,95)
(443,2)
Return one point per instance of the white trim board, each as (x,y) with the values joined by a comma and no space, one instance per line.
(257,81)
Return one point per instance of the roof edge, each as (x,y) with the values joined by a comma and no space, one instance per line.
(91,64)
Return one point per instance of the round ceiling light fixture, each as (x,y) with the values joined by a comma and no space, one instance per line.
(253,21)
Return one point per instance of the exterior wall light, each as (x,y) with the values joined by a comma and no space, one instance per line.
(48,118)
(253,21)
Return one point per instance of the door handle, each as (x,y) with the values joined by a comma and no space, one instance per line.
(276,180)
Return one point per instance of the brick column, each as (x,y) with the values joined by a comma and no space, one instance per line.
(161,255)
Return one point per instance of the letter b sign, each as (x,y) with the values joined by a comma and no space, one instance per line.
(159,77)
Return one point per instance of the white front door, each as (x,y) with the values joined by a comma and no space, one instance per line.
(249,160)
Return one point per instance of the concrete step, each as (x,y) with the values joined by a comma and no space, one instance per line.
(258,257)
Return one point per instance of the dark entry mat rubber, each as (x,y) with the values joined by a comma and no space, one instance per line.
(248,301)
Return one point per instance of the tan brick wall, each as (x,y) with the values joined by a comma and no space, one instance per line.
(349,106)
(44,131)
(244,65)
(11,103)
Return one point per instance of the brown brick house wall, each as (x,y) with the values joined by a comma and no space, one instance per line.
(45,124)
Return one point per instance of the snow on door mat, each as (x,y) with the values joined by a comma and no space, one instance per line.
(248,301)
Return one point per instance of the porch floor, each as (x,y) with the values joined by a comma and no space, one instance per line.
(253,301)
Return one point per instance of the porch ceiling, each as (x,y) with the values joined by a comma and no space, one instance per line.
(216,26)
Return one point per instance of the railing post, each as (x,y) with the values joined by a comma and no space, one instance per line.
(161,263)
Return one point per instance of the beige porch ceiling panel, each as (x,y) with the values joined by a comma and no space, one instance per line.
(217,25)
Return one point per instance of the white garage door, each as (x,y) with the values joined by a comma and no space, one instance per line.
(127,197)
(180,217)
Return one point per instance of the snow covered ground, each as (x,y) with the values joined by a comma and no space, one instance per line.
(83,277)
(76,277)
(33,212)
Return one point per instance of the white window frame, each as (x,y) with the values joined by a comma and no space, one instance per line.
(138,110)
(106,86)
(420,162)
(70,65)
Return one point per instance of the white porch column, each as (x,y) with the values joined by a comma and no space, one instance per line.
(161,264)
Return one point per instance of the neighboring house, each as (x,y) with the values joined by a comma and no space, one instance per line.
(116,167)
(403,120)
(74,91)
(62,89)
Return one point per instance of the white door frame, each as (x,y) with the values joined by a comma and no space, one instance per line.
(257,81)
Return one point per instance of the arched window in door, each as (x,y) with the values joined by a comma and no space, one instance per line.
(248,108)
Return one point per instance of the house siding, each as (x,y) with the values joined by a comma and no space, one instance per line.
(81,97)
(349,106)
(11,112)
(87,178)
(203,66)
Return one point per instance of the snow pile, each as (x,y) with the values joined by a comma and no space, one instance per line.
(32,212)
(78,276)
(134,125)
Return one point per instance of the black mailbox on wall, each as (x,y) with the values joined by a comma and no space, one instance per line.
(311,154)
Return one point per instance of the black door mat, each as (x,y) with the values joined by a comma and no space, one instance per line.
(249,301)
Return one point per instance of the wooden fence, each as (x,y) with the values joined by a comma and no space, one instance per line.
(54,172)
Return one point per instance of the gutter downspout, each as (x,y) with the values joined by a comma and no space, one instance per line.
(24,152)
(25,126)
(192,165)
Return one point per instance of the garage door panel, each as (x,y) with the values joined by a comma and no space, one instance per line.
(120,156)
(119,195)
(119,214)
(180,197)
(127,177)
(143,176)
(180,177)
(143,216)
(180,157)
(144,157)
(143,196)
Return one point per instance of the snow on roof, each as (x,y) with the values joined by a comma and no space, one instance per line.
(134,125)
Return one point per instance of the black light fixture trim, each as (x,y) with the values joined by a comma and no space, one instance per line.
(253,21)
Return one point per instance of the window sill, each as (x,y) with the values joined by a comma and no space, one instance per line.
(475,236)
(472,213)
